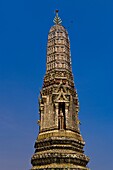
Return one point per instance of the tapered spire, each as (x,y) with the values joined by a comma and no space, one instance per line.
(57,19)
(59,144)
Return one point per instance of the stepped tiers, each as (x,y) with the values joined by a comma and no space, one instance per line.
(59,144)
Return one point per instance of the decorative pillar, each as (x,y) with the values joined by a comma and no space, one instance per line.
(56,114)
(42,116)
(66,113)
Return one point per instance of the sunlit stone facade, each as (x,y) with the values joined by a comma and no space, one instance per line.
(59,144)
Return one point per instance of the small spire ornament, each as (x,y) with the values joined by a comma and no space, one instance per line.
(57,19)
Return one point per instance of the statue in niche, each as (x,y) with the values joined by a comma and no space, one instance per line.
(61,116)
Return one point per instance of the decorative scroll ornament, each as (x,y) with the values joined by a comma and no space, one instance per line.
(57,19)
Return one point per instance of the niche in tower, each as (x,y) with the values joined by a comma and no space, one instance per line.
(61,116)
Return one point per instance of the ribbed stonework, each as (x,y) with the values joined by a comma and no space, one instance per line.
(59,144)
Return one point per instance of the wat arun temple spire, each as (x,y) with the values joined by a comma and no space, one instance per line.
(59,145)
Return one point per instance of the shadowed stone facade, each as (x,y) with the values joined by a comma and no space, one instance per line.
(59,144)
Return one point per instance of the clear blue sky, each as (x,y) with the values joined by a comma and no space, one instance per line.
(24,26)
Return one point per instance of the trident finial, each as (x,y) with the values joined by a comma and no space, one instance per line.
(57,19)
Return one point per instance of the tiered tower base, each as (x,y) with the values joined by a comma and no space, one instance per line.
(59,151)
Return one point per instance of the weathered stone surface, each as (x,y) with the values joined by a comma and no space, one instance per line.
(59,144)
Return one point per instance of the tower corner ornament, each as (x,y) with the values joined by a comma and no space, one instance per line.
(59,145)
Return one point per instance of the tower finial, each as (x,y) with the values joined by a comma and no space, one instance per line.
(57,19)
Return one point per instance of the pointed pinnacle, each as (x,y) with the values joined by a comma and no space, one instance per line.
(57,19)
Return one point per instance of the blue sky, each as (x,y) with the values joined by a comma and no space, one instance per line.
(24,26)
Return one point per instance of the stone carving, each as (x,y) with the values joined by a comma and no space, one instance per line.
(59,144)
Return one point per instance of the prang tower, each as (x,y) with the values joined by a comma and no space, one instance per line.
(59,144)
